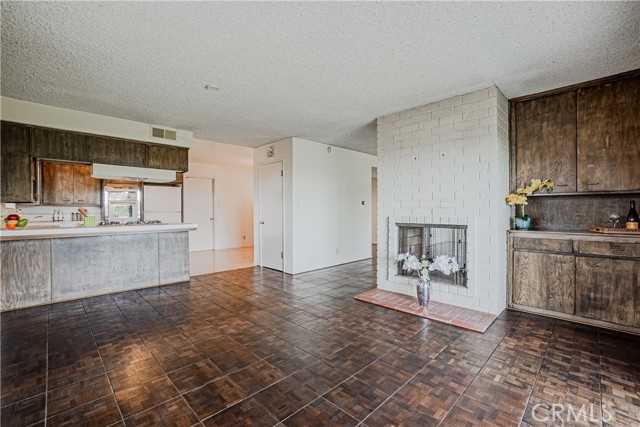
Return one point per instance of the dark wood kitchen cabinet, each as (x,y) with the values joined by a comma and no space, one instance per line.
(58,145)
(608,289)
(544,281)
(17,175)
(112,151)
(609,136)
(69,184)
(546,141)
(582,277)
(167,157)
(584,137)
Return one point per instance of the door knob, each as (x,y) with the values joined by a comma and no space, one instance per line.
(210,219)
(261,222)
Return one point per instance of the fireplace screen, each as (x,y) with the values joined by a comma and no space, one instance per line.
(432,240)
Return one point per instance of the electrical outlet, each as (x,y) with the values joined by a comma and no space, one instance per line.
(244,237)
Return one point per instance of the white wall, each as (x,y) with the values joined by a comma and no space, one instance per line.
(15,110)
(233,203)
(331,226)
(325,221)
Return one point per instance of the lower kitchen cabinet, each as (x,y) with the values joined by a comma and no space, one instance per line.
(580,276)
(608,289)
(544,281)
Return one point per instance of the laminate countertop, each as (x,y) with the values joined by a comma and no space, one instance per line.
(576,235)
(72,229)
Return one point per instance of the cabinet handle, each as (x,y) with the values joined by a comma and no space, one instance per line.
(562,185)
(593,183)
(616,247)
(80,201)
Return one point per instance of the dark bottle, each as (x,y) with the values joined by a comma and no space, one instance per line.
(632,217)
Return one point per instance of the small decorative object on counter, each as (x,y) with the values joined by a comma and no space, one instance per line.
(423,266)
(89,221)
(632,217)
(13,221)
(523,222)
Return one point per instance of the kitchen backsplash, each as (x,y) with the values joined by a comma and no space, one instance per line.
(41,213)
(577,212)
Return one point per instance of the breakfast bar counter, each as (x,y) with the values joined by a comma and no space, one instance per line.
(44,264)
(75,229)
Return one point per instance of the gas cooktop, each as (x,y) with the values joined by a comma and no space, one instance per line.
(150,222)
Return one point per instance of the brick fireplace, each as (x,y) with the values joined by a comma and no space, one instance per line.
(447,163)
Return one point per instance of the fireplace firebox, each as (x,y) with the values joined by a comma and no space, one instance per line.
(432,240)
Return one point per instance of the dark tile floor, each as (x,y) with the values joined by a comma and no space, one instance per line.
(253,347)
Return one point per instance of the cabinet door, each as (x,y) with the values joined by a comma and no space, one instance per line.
(113,151)
(15,139)
(546,141)
(608,289)
(86,190)
(544,281)
(57,145)
(168,157)
(57,183)
(608,135)
(16,163)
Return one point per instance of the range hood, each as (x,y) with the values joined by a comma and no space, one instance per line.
(127,173)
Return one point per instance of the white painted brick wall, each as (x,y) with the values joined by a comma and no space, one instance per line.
(448,162)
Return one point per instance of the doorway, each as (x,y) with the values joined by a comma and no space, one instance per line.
(198,209)
(271,215)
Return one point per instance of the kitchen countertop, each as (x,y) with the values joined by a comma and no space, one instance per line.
(576,235)
(69,229)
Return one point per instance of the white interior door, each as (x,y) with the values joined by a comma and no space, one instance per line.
(271,216)
(198,209)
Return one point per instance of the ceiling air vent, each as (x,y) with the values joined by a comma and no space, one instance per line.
(162,133)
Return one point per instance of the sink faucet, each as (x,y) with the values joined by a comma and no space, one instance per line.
(57,215)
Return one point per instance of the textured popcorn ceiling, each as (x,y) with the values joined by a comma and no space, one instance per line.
(321,71)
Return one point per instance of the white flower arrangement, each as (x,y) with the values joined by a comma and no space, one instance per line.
(443,263)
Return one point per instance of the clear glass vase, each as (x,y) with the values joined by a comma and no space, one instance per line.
(423,289)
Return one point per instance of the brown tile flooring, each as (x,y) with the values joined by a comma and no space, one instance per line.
(256,348)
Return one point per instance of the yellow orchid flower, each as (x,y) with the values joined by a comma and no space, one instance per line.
(536,184)
(520,196)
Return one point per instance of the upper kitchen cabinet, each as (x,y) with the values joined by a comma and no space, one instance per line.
(69,184)
(58,145)
(546,141)
(113,151)
(17,166)
(609,136)
(167,157)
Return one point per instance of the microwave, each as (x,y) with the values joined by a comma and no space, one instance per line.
(122,203)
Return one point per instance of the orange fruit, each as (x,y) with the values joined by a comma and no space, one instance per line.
(11,226)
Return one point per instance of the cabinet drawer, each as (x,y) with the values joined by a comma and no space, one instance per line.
(552,245)
(610,248)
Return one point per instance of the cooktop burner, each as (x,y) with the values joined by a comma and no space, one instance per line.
(150,222)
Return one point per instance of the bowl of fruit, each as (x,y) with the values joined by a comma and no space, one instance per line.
(13,221)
